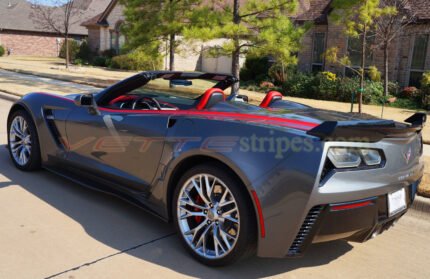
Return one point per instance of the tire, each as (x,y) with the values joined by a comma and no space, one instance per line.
(23,141)
(231,217)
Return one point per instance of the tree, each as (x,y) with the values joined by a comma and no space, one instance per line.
(257,27)
(59,17)
(390,27)
(148,22)
(358,17)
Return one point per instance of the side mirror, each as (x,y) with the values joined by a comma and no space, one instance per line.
(86,100)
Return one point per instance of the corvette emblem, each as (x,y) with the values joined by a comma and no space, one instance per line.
(407,155)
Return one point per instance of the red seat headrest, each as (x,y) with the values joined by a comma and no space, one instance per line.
(271,97)
(210,98)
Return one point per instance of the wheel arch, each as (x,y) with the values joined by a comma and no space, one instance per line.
(15,107)
(194,160)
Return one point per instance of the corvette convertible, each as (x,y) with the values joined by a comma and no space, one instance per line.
(236,179)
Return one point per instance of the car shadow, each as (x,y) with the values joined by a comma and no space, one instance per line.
(120,225)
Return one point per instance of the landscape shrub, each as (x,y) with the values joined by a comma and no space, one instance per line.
(2,51)
(327,86)
(425,90)
(255,69)
(409,92)
(74,47)
(136,61)
(84,53)
(110,53)
(100,61)
(374,73)
(278,73)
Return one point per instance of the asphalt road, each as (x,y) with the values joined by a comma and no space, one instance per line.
(50,227)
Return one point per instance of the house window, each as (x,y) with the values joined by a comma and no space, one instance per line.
(318,52)
(418,60)
(117,40)
(113,40)
(354,52)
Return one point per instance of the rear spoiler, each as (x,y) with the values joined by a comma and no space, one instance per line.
(370,131)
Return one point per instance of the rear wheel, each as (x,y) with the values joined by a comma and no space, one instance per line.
(23,141)
(213,216)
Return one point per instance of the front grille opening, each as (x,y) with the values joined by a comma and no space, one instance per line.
(305,231)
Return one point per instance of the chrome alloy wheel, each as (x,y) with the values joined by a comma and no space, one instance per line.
(208,216)
(20,141)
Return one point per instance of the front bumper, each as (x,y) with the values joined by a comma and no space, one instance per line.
(323,223)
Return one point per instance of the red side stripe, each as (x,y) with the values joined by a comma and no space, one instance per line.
(279,121)
(292,123)
(260,214)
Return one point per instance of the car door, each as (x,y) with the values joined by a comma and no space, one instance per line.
(122,146)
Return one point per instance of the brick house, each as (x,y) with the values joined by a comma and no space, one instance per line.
(104,33)
(20,34)
(409,55)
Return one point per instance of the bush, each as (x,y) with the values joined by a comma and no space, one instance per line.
(374,74)
(84,53)
(78,62)
(278,73)
(100,61)
(74,47)
(326,86)
(136,61)
(2,51)
(255,68)
(409,92)
(109,53)
(425,90)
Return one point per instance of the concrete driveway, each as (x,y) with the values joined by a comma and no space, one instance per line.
(53,228)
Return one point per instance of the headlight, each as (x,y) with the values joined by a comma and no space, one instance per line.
(343,157)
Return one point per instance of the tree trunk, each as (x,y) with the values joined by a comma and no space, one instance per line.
(66,40)
(386,79)
(363,66)
(235,56)
(172,52)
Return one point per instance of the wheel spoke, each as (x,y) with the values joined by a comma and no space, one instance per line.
(226,203)
(187,200)
(189,213)
(224,196)
(208,187)
(199,191)
(225,236)
(229,218)
(229,212)
(202,239)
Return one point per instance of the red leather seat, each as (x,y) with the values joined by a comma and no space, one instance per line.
(270,98)
(211,97)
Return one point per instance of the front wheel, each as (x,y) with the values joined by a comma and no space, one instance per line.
(23,142)
(213,216)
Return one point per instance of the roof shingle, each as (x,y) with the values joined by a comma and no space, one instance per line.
(17,16)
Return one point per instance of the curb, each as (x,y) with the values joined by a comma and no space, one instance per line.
(9,96)
(37,74)
(421,204)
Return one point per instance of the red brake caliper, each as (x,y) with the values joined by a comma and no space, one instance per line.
(199,201)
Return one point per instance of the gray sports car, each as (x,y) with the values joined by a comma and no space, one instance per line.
(235,179)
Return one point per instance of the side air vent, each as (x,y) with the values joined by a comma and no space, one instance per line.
(50,121)
(305,232)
